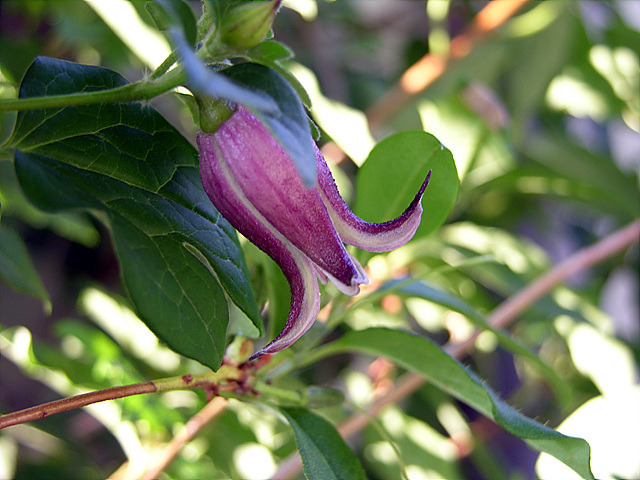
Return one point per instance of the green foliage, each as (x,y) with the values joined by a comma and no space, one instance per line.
(420,355)
(16,267)
(532,144)
(132,165)
(324,454)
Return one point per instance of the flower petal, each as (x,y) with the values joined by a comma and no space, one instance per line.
(230,200)
(270,181)
(374,237)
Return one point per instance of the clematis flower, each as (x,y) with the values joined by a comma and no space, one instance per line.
(254,183)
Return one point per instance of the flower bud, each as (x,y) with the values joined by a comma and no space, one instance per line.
(249,23)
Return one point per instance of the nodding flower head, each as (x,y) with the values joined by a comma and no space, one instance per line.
(254,183)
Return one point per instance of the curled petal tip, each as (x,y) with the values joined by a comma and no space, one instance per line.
(374,237)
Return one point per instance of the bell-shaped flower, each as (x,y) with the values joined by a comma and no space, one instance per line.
(254,183)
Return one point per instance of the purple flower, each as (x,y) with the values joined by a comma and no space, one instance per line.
(254,183)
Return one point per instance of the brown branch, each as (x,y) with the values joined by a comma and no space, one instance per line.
(70,403)
(501,316)
(228,376)
(190,430)
(429,68)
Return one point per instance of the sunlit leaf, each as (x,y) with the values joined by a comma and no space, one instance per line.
(400,163)
(420,355)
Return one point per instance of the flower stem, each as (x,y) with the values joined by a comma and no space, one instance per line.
(142,90)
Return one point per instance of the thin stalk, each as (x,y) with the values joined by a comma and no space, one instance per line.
(207,380)
(142,90)
(195,424)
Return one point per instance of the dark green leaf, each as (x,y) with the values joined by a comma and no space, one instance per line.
(400,163)
(127,161)
(16,267)
(420,355)
(290,124)
(173,292)
(324,454)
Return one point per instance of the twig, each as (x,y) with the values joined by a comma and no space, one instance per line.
(501,316)
(190,430)
(208,381)
(70,403)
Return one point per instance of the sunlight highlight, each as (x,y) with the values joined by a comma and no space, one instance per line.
(146,43)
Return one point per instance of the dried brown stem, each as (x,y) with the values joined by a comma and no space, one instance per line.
(504,314)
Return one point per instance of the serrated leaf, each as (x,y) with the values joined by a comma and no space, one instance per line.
(16,266)
(127,161)
(289,125)
(401,163)
(324,454)
(420,355)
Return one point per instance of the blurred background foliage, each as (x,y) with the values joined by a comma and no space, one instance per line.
(542,119)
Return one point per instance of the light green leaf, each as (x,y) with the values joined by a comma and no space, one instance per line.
(420,355)
(400,163)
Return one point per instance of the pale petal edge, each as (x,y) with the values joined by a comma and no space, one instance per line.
(374,237)
(299,271)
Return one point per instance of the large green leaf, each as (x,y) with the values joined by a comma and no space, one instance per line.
(400,163)
(16,267)
(324,454)
(127,161)
(420,355)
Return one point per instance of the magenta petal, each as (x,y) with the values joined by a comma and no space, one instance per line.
(229,199)
(374,237)
(268,178)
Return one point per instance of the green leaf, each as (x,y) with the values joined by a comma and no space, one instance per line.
(425,291)
(128,162)
(173,291)
(16,267)
(400,163)
(289,125)
(324,454)
(420,355)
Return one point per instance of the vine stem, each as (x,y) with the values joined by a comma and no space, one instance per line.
(142,90)
(210,380)
(501,316)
